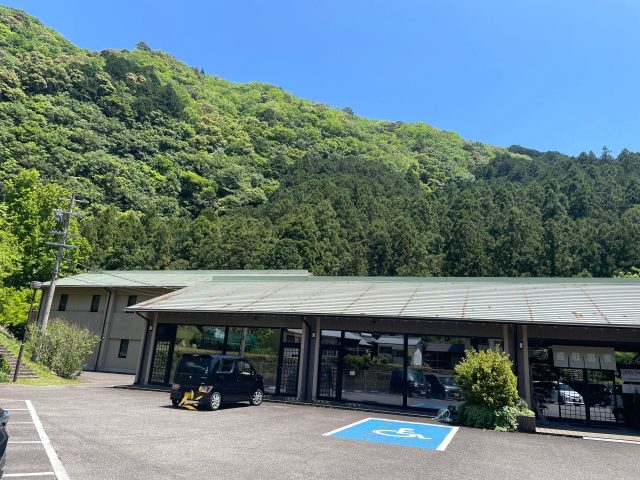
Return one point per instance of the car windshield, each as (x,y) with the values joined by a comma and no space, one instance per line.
(564,386)
(196,365)
(415,376)
(447,381)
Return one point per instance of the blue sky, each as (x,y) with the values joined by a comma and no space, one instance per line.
(547,74)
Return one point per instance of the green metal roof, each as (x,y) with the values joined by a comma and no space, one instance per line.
(575,301)
(164,278)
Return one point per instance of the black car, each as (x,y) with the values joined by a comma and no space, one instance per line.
(211,380)
(417,386)
(594,393)
(444,387)
(4,438)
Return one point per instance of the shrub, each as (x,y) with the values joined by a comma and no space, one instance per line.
(486,378)
(507,417)
(478,416)
(5,369)
(61,347)
(491,391)
(356,362)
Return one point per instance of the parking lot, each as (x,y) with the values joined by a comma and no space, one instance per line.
(32,454)
(99,432)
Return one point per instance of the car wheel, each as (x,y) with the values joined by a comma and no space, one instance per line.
(257,397)
(215,400)
(175,402)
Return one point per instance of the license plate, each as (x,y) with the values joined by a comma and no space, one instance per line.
(423,392)
(456,394)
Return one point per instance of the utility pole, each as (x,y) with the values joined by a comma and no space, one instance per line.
(35,286)
(63,218)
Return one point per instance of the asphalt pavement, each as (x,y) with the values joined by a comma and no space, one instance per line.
(100,432)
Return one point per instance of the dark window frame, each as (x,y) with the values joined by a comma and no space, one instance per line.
(249,368)
(223,362)
(132,300)
(95,303)
(62,305)
(124,342)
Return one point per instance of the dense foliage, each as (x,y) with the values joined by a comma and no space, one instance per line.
(490,391)
(185,170)
(61,347)
(5,369)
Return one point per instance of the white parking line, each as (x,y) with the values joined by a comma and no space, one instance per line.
(615,440)
(58,468)
(35,474)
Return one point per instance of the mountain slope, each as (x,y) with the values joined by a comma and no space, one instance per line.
(184,170)
(138,129)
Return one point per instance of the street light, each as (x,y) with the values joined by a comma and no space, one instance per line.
(35,286)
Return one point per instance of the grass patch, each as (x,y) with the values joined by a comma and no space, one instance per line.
(45,376)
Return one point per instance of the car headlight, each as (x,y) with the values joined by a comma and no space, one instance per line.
(175,386)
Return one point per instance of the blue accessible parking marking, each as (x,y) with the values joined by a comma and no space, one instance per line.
(397,432)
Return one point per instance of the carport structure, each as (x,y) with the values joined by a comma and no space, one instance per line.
(323,336)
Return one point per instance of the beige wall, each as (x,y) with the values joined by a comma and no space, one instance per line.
(122,365)
(117,323)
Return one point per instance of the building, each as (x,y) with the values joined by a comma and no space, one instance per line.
(97,301)
(348,339)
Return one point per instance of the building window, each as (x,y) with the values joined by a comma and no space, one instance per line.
(95,303)
(132,300)
(62,306)
(124,347)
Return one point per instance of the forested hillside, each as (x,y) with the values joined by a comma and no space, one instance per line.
(185,170)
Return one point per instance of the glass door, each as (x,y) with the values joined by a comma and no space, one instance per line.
(162,354)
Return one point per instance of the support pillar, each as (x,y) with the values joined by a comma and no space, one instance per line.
(146,366)
(525,373)
(506,339)
(316,360)
(303,361)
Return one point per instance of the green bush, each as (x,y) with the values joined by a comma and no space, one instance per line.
(5,369)
(357,362)
(478,416)
(486,378)
(507,417)
(491,391)
(14,306)
(61,347)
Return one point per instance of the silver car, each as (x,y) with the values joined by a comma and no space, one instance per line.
(564,394)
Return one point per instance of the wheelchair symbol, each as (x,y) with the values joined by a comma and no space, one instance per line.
(401,433)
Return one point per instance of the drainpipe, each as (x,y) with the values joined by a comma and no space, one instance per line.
(104,324)
(147,323)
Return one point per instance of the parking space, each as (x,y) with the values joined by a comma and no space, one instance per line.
(402,433)
(106,433)
(29,451)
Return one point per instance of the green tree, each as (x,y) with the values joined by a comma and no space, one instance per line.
(30,204)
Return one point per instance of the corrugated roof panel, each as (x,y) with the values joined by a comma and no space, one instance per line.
(576,302)
(165,278)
